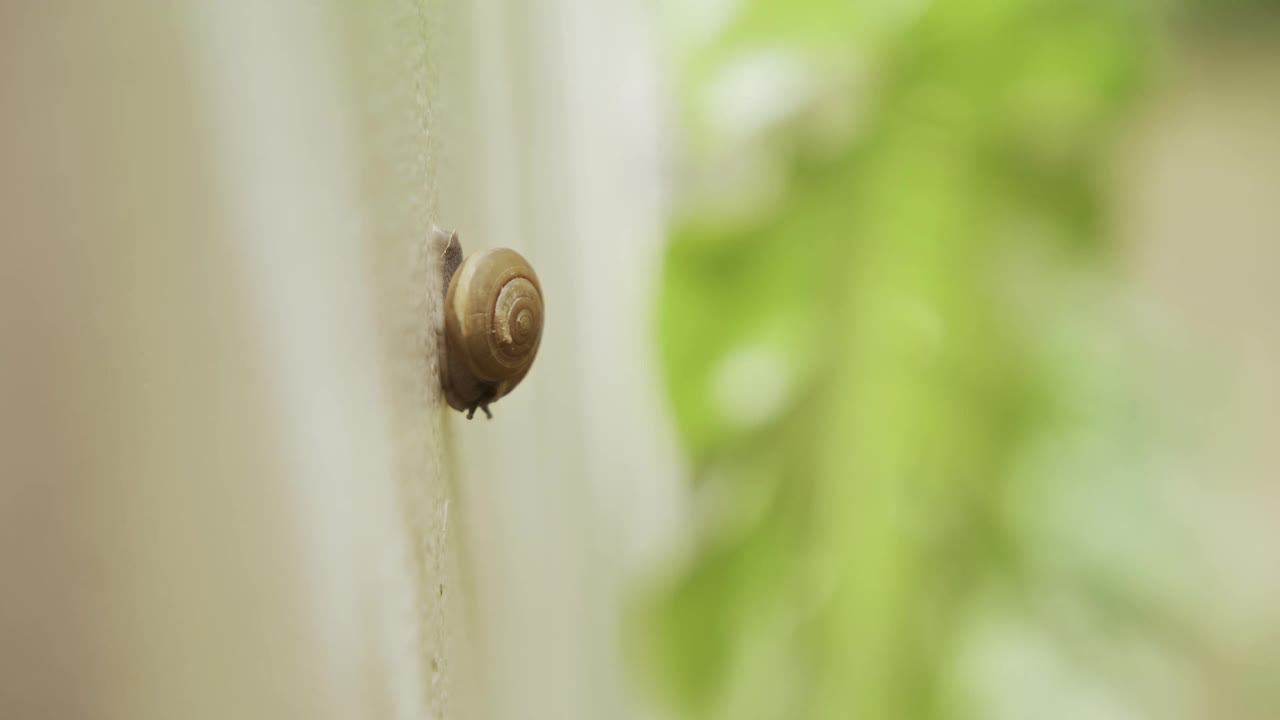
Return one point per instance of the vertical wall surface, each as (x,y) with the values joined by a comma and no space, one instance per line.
(223,488)
(227,483)
(572,491)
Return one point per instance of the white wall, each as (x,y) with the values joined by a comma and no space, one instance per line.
(222,492)
(573,491)
(227,485)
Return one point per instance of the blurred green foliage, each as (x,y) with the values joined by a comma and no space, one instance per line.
(888,203)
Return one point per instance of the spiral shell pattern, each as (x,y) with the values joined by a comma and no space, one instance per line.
(493,314)
(517,322)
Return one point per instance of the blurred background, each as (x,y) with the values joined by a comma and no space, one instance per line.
(905,359)
(966,326)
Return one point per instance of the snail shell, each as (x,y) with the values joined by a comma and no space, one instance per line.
(492,325)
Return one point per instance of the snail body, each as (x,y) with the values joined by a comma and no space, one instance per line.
(493,320)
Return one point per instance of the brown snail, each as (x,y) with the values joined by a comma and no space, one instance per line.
(492,324)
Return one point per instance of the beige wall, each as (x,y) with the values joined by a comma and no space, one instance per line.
(222,493)
(570,494)
(227,485)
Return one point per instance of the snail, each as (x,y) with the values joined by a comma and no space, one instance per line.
(492,323)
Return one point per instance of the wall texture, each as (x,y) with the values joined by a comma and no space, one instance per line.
(224,490)
(572,492)
(228,488)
